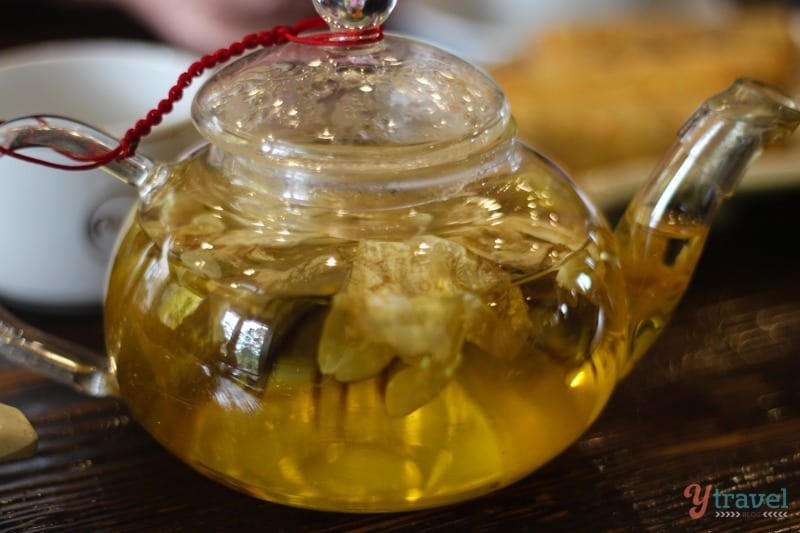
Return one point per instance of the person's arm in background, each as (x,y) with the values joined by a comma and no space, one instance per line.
(206,25)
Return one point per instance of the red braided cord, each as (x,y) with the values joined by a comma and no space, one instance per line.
(276,36)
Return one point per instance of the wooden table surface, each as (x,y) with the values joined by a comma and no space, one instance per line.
(716,402)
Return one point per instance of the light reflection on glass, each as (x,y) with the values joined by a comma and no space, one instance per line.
(578,379)
(250,345)
(584,281)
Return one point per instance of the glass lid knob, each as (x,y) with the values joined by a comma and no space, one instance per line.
(354,14)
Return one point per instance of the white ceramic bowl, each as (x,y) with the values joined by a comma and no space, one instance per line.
(57,228)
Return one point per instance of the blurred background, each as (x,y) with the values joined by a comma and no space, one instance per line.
(601,87)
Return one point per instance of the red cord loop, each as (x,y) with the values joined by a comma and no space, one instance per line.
(274,37)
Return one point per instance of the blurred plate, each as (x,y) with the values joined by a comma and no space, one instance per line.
(492,32)
(613,186)
(57,228)
(149,70)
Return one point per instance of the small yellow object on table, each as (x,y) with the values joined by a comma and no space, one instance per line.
(17,437)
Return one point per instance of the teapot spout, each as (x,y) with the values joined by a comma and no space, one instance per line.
(665,227)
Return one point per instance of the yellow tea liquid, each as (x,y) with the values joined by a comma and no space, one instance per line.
(286,433)
(218,352)
(658,264)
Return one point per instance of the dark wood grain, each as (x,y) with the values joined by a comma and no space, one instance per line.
(716,402)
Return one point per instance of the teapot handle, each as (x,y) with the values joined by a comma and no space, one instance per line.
(66,136)
(60,360)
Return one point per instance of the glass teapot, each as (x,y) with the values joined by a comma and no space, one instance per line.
(364,293)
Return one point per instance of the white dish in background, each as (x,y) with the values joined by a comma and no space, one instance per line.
(491,32)
(613,186)
(57,227)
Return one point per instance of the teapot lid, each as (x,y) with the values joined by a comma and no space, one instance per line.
(322,101)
